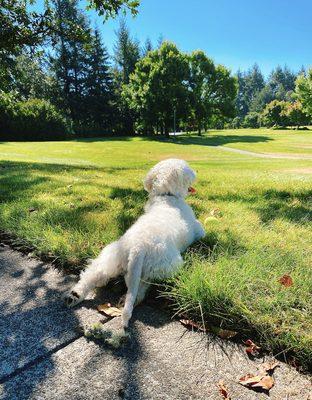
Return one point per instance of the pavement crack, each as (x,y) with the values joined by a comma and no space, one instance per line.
(38,359)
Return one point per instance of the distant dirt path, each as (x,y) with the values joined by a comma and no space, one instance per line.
(267,155)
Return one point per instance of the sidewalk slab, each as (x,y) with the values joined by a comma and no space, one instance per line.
(33,320)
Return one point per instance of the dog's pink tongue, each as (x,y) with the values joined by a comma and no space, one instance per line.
(191,190)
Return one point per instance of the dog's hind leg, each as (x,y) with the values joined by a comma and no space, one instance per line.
(106,266)
(144,286)
(132,278)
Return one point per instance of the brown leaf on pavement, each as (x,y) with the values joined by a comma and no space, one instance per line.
(188,323)
(223,390)
(269,366)
(222,333)
(266,383)
(108,310)
(250,379)
(252,348)
(263,381)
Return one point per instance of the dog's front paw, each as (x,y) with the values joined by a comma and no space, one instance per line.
(72,298)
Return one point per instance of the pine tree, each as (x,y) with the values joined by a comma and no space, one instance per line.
(69,59)
(126,55)
(250,84)
(99,86)
(148,46)
(127,52)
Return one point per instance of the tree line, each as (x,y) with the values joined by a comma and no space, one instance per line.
(57,80)
(284,99)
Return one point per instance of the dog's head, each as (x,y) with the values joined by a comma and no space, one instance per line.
(172,176)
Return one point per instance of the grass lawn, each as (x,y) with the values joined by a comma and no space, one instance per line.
(68,199)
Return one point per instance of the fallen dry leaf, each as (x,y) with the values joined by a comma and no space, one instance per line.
(266,383)
(225,333)
(223,390)
(110,311)
(188,323)
(222,333)
(269,366)
(262,381)
(252,348)
(250,379)
(286,280)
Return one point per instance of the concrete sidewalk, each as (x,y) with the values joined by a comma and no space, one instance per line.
(43,355)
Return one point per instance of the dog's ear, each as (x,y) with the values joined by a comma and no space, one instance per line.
(148,181)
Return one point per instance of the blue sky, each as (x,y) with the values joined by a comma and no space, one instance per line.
(236,33)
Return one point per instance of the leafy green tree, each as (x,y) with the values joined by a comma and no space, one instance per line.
(158,88)
(295,114)
(202,76)
(274,113)
(31,80)
(304,91)
(20,26)
(222,93)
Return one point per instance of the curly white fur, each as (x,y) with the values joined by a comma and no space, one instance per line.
(151,248)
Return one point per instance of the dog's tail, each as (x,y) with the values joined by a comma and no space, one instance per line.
(100,270)
(133,278)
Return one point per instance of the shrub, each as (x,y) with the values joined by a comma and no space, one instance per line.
(34,119)
(274,113)
(7,112)
(235,123)
(295,114)
(252,120)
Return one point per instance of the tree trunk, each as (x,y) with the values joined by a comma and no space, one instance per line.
(199,128)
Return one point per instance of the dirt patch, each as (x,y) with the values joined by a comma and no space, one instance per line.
(267,155)
(299,170)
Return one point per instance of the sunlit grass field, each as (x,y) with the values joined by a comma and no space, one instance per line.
(68,199)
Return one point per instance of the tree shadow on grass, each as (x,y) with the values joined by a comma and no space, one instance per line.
(213,140)
(205,140)
(21,181)
(294,206)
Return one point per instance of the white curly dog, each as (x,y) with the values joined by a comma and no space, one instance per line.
(151,248)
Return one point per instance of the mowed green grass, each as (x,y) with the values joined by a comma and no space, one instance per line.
(68,199)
